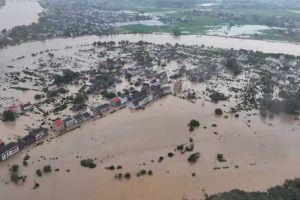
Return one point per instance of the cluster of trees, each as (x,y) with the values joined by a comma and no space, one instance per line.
(216,97)
(8,115)
(79,98)
(88,163)
(233,66)
(290,190)
(68,76)
(193,124)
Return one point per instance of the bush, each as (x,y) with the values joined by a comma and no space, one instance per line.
(138,174)
(88,163)
(63,90)
(180,147)
(111,168)
(143,172)
(47,169)
(127,175)
(160,159)
(14,177)
(120,175)
(36,185)
(119,167)
(191,129)
(37,96)
(15,168)
(25,163)
(194,123)
(218,111)
(220,158)
(150,173)
(27,157)
(194,157)
(189,148)
(39,173)
(170,154)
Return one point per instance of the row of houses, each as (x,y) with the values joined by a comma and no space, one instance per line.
(21,108)
(12,148)
(60,125)
(142,100)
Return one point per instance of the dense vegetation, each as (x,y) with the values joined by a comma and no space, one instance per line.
(290,190)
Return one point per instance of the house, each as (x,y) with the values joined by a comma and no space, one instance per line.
(112,89)
(58,125)
(139,102)
(68,122)
(26,141)
(77,107)
(116,101)
(51,87)
(8,150)
(86,116)
(83,76)
(104,107)
(15,109)
(166,90)
(138,94)
(92,110)
(38,133)
(155,86)
(78,119)
(1,144)
(26,107)
(123,98)
(177,86)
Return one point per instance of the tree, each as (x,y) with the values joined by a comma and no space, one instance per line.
(39,173)
(233,66)
(9,115)
(37,96)
(127,175)
(25,163)
(63,90)
(4,31)
(15,168)
(176,32)
(194,123)
(47,169)
(79,98)
(14,177)
(218,111)
(150,173)
(220,158)
(194,157)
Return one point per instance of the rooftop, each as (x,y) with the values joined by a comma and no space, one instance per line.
(13,107)
(57,122)
(115,99)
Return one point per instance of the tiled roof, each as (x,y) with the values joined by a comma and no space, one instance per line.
(57,122)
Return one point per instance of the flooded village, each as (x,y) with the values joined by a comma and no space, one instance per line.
(144,116)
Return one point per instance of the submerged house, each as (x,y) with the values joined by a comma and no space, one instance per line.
(86,116)
(68,122)
(116,101)
(27,106)
(78,119)
(8,150)
(104,107)
(58,125)
(38,133)
(26,141)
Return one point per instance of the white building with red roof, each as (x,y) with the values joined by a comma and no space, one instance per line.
(15,109)
(58,125)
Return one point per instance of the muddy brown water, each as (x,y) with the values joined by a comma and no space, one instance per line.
(266,155)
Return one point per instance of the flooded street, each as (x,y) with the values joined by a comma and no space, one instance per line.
(18,14)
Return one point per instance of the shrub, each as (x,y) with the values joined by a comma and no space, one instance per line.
(120,175)
(138,174)
(119,167)
(194,123)
(237,115)
(39,173)
(143,172)
(37,96)
(218,111)
(127,175)
(191,129)
(193,174)
(189,148)
(27,157)
(160,159)
(15,168)
(194,157)
(150,173)
(180,147)
(25,163)
(36,185)
(14,177)
(221,158)
(170,154)
(88,163)
(111,168)
(47,169)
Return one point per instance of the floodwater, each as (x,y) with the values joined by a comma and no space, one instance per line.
(152,22)
(236,30)
(266,151)
(207,4)
(19,13)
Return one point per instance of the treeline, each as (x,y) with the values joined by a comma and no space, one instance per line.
(290,190)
